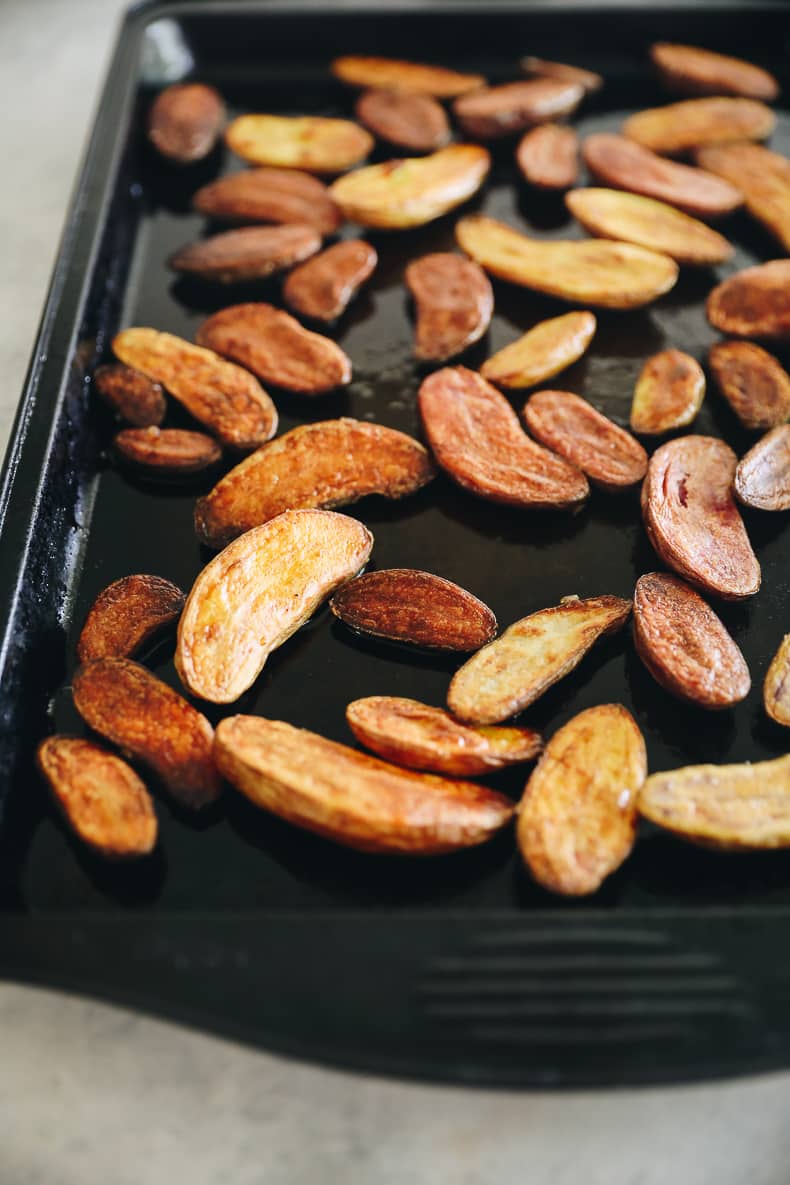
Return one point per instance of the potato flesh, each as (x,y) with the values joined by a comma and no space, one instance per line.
(532,655)
(543,351)
(577,819)
(669,393)
(257,592)
(693,123)
(412,191)
(595,272)
(738,807)
(614,214)
(306,142)
(351,798)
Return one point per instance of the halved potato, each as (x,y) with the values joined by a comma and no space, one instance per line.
(515,669)
(414,190)
(695,122)
(421,737)
(762,176)
(398,75)
(544,68)
(754,383)
(308,142)
(776,689)
(596,272)
(689,70)
(742,807)
(350,797)
(543,351)
(754,302)
(669,393)
(613,214)
(577,819)
(762,479)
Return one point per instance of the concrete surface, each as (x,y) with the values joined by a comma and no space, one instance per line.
(91,1094)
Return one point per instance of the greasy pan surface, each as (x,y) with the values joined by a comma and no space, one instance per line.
(232,878)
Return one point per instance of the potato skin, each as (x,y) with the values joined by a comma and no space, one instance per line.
(323,286)
(476,438)
(405,605)
(577,819)
(138,712)
(185,121)
(570,426)
(126,615)
(421,737)
(689,70)
(454,303)
(351,798)
(692,520)
(623,164)
(167,451)
(251,253)
(100,796)
(685,646)
(493,112)
(762,479)
(416,123)
(269,195)
(548,156)
(132,396)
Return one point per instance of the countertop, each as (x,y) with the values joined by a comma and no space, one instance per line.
(92,1094)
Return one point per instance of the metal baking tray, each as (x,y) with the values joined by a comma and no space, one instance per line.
(456,968)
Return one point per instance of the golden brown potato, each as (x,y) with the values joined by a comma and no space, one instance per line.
(669,393)
(257,592)
(577,819)
(127,614)
(415,735)
(692,520)
(324,286)
(623,164)
(412,77)
(453,301)
(475,436)
(306,142)
(614,214)
(145,717)
(513,671)
(684,645)
(228,400)
(315,466)
(185,121)
(275,347)
(411,191)
(270,195)
(762,176)
(762,479)
(776,688)
(572,428)
(754,383)
(167,451)
(353,799)
(131,395)
(754,302)
(737,807)
(101,797)
(693,123)
(405,605)
(689,70)
(598,272)
(543,351)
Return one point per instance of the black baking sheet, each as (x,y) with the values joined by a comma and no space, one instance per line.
(484,976)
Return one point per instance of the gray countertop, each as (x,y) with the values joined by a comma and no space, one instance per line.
(93,1094)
